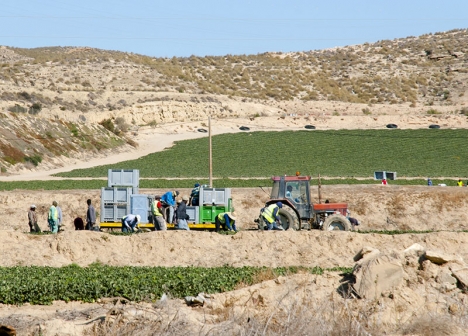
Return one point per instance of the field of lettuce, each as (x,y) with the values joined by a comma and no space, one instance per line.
(43,285)
(188,183)
(340,153)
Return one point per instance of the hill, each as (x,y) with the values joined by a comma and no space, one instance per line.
(416,76)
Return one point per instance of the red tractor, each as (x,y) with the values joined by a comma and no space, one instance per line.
(298,213)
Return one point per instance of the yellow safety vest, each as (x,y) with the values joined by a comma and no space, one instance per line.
(221,218)
(53,213)
(268,213)
(460,183)
(155,209)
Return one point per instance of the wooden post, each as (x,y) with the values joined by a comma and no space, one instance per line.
(211,153)
(319,189)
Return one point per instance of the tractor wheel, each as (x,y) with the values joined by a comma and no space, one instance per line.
(337,223)
(289,219)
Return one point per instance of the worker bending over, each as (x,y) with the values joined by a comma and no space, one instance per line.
(130,223)
(225,220)
(271,216)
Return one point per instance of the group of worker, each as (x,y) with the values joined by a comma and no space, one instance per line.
(54,218)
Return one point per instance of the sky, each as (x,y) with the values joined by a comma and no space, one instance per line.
(220,27)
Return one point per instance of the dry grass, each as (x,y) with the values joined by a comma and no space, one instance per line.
(291,315)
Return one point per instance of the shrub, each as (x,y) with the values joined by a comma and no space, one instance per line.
(35,108)
(35,159)
(108,124)
(17,109)
(433,111)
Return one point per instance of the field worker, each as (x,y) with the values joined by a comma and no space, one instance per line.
(53,218)
(157,211)
(79,224)
(195,195)
(460,183)
(181,214)
(429,182)
(32,220)
(168,199)
(384,182)
(90,216)
(271,216)
(130,223)
(59,217)
(226,220)
(354,222)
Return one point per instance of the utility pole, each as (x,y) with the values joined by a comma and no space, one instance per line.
(211,153)
(319,189)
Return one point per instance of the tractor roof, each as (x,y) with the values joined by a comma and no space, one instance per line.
(291,178)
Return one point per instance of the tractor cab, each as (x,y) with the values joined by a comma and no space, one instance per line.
(294,191)
(298,213)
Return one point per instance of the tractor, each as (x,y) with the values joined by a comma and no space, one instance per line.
(298,213)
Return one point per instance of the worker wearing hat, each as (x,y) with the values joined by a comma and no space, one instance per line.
(195,195)
(168,200)
(226,220)
(32,219)
(130,223)
(271,216)
(181,214)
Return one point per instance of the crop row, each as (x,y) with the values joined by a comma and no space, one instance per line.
(333,153)
(42,285)
(188,183)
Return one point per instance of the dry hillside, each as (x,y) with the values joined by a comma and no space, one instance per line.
(423,75)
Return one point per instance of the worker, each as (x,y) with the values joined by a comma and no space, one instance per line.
(384,182)
(32,220)
(53,218)
(157,211)
(130,223)
(226,220)
(181,214)
(354,222)
(168,201)
(460,183)
(79,223)
(195,195)
(429,182)
(90,216)
(271,216)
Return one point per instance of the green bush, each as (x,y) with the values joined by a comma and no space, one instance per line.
(35,159)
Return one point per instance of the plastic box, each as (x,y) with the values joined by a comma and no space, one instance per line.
(139,206)
(123,177)
(194,213)
(116,195)
(212,196)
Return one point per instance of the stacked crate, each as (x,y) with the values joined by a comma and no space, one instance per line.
(116,198)
(214,201)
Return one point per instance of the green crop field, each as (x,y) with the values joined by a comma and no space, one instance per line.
(343,153)
(164,183)
(43,285)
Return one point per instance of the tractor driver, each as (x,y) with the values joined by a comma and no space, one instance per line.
(289,195)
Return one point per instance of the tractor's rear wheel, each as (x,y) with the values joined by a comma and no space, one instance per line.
(337,223)
(289,219)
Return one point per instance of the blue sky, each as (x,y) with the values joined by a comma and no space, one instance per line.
(219,27)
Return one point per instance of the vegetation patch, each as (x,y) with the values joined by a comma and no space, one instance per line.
(339,153)
(43,285)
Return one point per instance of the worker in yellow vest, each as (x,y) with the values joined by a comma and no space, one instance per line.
(226,220)
(157,211)
(460,183)
(271,216)
(53,218)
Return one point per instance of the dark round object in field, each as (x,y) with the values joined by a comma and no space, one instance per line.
(392,126)
(309,127)
(244,128)
(434,126)
(202,130)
